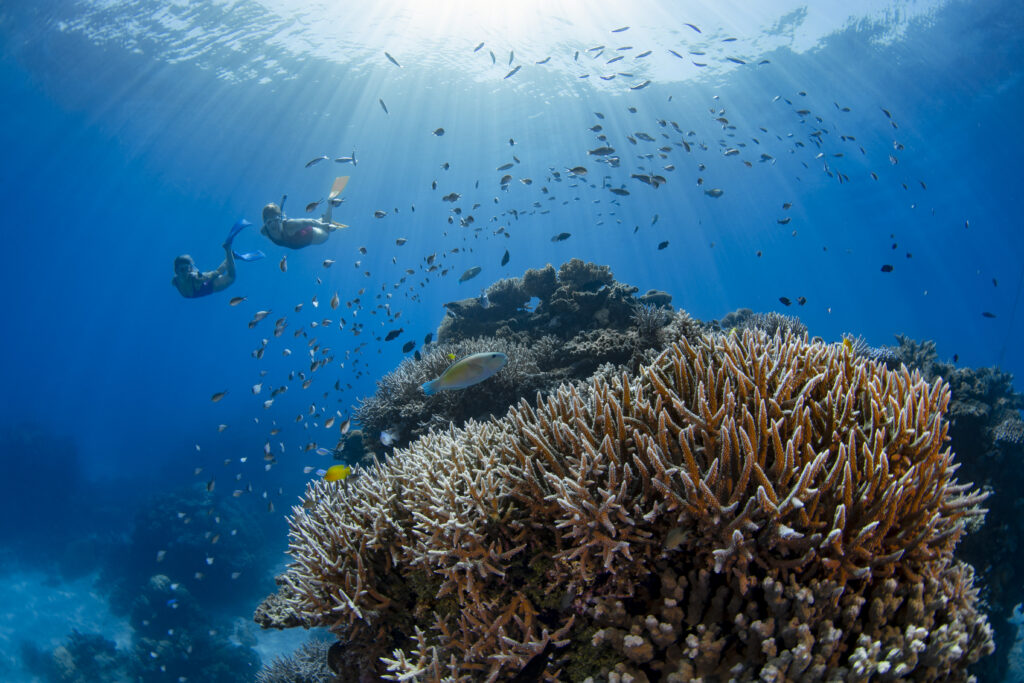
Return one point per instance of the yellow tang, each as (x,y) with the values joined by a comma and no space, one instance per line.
(337,473)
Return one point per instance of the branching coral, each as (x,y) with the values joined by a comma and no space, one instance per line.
(649,321)
(747,507)
(879,354)
(770,323)
(308,664)
(399,403)
(983,409)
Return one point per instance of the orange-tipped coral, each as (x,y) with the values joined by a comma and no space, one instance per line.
(747,507)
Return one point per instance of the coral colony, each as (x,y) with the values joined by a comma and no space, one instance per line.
(744,506)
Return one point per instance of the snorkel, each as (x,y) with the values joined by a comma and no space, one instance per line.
(186,260)
(272,213)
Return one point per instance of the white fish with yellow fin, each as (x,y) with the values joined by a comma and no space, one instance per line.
(467,371)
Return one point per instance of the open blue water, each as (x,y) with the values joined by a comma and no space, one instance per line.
(134,131)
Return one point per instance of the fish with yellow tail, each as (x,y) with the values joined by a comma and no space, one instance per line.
(466,372)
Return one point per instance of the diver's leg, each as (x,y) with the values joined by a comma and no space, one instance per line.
(226,271)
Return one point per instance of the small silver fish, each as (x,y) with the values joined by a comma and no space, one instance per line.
(389,436)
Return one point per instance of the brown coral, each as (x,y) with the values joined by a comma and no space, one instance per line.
(748,507)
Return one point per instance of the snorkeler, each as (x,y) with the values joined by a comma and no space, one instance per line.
(296,233)
(193,284)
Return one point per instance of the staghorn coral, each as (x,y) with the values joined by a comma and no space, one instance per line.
(308,664)
(1010,431)
(770,323)
(400,404)
(649,321)
(886,355)
(983,401)
(746,508)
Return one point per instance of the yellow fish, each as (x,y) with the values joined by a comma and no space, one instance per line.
(451,356)
(467,372)
(847,344)
(337,473)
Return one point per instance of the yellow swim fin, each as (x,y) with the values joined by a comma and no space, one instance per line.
(339,185)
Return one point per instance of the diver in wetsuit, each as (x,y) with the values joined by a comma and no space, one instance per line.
(192,283)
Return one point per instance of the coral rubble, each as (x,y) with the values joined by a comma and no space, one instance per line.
(745,507)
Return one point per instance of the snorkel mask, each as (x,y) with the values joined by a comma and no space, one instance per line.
(185,260)
(272,213)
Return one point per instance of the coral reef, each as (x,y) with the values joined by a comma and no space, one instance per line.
(887,355)
(770,323)
(579,297)
(82,658)
(650,322)
(174,534)
(983,412)
(746,507)
(584,319)
(308,664)
(400,406)
(175,639)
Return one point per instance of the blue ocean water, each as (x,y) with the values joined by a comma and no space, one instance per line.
(136,131)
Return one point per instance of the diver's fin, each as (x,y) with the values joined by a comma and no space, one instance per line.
(235,229)
(339,185)
(249,255)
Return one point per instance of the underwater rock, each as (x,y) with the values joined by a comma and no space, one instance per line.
(683,522)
